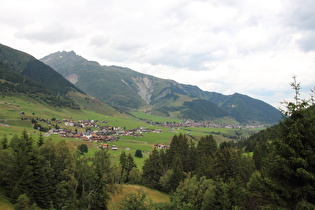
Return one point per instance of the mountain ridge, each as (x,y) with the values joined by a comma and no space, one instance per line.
(131,90)
(23,75)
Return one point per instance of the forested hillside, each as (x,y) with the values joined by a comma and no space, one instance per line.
(12,83)
(32,68)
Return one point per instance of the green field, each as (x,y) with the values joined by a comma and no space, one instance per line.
(11,123)
(154,195)
(153,118)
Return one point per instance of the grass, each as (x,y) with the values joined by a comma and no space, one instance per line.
(11,123)
(154,118)
(5,204)
(154,195)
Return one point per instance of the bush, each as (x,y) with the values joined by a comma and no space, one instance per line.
(83,148)
(138,153)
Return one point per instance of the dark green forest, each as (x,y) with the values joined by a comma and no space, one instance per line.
(16,84)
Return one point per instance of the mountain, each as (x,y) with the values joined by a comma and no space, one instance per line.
(23,75)
(36,70)
(131,90)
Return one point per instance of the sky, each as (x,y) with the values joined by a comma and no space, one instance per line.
(226,46)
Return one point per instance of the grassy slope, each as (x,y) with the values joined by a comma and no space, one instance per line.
(5,204)
(154,118)
(154,195)
(11,123)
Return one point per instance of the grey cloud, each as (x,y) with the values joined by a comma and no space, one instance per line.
(48,33)
(301,15)
(191,61)
(99,40)
(302,19)
(129,47)
(307,42)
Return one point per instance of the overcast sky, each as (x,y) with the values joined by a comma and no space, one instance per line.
(245,46)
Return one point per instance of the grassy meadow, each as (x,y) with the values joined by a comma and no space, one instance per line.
(11,123)
(153,195)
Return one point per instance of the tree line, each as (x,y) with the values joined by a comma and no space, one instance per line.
(52,175)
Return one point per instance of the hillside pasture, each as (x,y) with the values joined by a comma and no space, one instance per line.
(123,190)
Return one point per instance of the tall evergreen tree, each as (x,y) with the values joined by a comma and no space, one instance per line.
(122,162)
(103,180)
(40,140)
(179,146)
(127,163)
(230,163)
(206,149)
(288,181)
(178,174)
(4,142)
(130,165)
(152,170)
(24,157)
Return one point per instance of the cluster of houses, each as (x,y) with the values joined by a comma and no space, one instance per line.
(194,124)
(82,123)
(161,146)
(95,136)
(100,134)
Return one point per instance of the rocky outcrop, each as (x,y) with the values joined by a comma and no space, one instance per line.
(73,78)
(145,87)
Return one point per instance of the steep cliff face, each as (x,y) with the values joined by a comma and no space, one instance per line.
(145,87)
(73,78)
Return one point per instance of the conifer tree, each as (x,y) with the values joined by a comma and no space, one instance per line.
(178,173)
(4,142)
(103,180)
(206,149)
(152,170)
(24,157)
(40,140)
(288,181)
(122,162)
(129,166)
(127,163)
(179,146)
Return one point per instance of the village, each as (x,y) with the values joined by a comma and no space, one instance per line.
(194,124)
(101,134)
(95,131)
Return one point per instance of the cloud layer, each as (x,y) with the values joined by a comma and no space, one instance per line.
(226,46)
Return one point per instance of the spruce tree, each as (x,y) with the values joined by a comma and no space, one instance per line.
(178,173)
(40,140)
(123,163)
(102,167)
(206,149)
(4,142)
(129,166)
(152,170)
(288,181)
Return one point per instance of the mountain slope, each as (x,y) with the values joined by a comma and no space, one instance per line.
(22,74)
(36,70)
(13,83)
(131,90)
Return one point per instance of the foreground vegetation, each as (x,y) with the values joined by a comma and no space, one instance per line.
(39,172)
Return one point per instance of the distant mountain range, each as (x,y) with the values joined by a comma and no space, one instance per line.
(130,90)
(23,75)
